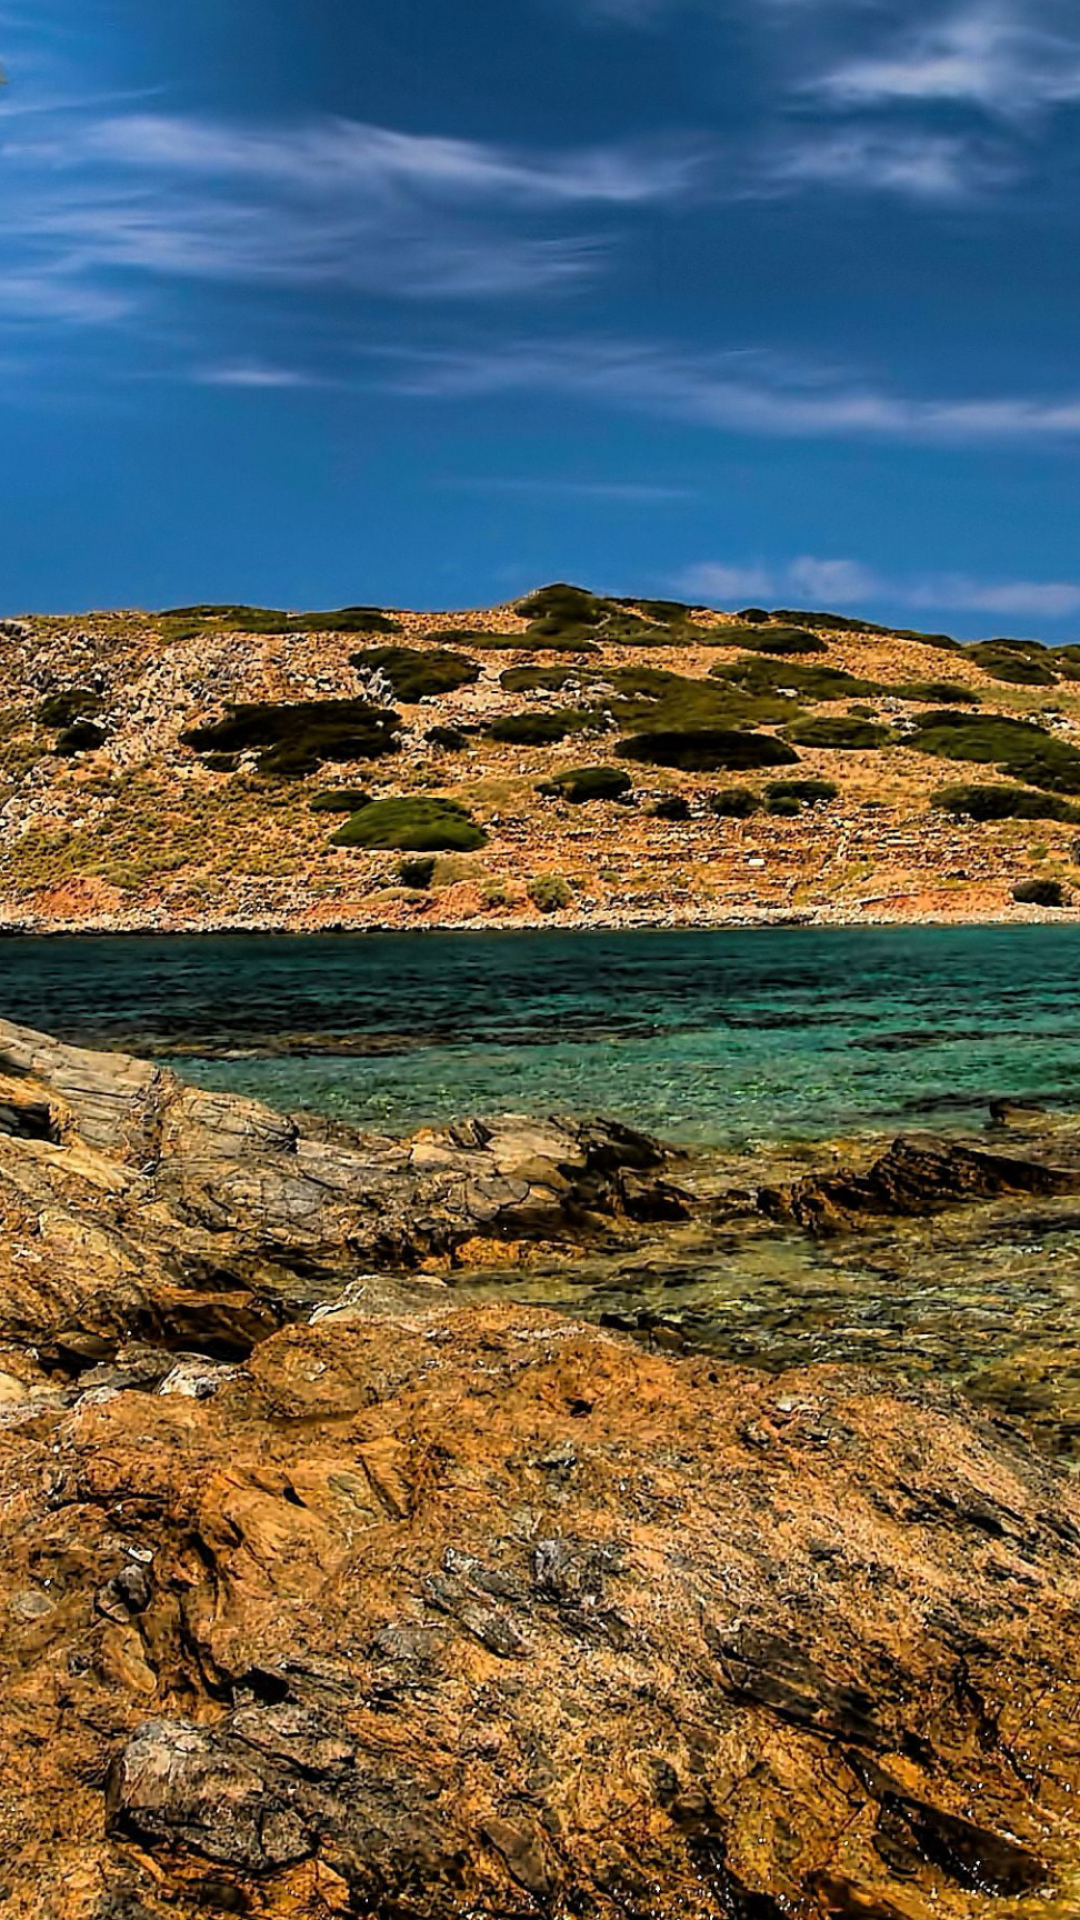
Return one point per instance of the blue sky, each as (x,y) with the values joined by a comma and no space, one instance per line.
(305,302)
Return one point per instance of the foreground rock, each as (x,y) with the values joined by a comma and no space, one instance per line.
(423,1611)
(134,1207)
(439,1612)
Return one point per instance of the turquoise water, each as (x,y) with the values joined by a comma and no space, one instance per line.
(718,1037)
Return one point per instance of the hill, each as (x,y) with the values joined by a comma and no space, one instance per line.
(565,756)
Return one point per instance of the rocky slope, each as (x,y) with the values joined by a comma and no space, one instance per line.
(417,1608)
(118,810)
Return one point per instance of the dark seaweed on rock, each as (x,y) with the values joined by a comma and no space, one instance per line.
(295,739)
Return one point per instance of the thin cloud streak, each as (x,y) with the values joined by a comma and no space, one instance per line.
(785,402)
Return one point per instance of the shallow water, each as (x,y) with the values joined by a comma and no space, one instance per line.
(719,1037)
(727,1040)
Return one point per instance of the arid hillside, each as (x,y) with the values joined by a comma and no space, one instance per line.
(568,757)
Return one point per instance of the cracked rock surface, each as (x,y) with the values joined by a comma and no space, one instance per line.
(425,1610)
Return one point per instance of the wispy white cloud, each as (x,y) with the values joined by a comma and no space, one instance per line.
(741,393)
(255,375)
(848,585)
(92,204)
(995,55)
(912,163)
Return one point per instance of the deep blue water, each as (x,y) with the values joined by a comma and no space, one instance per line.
(714,1036)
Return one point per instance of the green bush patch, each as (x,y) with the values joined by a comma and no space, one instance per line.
(64,709)
(936,693)
(84,737)
(582,784)
(671,806)
(734,803)
(417,873)
(1021,663)
(183,623)
(414,674)
(840,730)
(341,800)
(756,675)
(448,739)
(1015,747)
(1002,803)
(804,793)
(413,825)
(707,749)
(543,729)
(549,893)
(770,639)
(296,739)
(1039,893)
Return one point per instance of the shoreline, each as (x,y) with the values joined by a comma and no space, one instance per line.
(148,922)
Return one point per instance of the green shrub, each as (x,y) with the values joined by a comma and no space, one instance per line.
(707,749)
(770,639)
(417,873)
(341,800)
(1002,803)
(936,693)
(547,679)
(734,803)
(549,893)
(413,825)
(231,619)
(847,623)
(805,793)
(756,675)
(84,737)
(1014,662)
(1015,747)
(564,606)
(495,894)
(542,729)
(449,739)
(64,709)
(582,784)
(415,674)
(783,807)
(1039,893)
(346,620)
(295,739)
(671,806)
(651,698)
(840,730)
(754,616)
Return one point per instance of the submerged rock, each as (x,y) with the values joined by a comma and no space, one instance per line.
(913,1178)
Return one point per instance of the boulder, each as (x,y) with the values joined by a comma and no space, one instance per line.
(436,1612)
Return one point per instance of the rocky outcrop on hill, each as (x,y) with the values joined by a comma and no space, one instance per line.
(416,1609)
